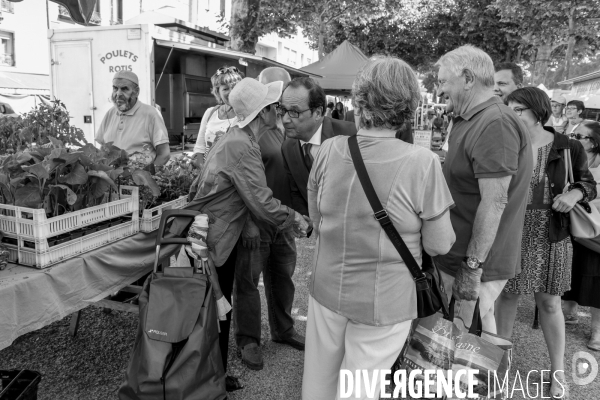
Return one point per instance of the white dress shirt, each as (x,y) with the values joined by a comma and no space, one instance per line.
(315,140)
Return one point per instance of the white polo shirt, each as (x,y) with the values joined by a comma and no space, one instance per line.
(131,130)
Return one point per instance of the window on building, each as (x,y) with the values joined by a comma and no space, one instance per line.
(308,61)
(222,7)
(293,57)
(286,54)
(7,6)
(7,46)
(117,18)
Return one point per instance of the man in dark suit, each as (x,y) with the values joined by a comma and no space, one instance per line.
(302,106)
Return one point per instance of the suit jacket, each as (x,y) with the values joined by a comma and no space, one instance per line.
(293,160)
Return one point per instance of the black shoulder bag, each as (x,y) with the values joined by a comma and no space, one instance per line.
(430,297)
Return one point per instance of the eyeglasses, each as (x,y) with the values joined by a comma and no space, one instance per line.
(579,136)
(292,113)
(225,70)
(519,110)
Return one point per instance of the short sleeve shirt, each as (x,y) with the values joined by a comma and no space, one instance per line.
(131,130)
(489,141)
(357,271)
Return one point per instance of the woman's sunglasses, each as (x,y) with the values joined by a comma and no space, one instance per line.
(225,70)
(579,136)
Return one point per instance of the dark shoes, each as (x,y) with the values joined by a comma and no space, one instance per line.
(296,341)
(251,356)
(232,383)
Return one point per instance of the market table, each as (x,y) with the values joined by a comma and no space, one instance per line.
(33,298)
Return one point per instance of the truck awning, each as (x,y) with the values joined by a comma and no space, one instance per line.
(234,55)
(16,82)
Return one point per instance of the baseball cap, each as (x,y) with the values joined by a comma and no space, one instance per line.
(559,99)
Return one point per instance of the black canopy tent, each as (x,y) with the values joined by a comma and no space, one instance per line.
(338,68)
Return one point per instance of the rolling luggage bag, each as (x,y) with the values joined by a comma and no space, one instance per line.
(176,354)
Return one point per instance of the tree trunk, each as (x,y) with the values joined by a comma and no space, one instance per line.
(519,54)
(542,60)
(321,37)
(244,16)
(571,43)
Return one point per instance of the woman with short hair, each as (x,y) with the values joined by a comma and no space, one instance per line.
(546,249)
(216,120)
(362,295)
(585,275)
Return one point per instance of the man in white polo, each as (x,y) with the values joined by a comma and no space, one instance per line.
(131,124)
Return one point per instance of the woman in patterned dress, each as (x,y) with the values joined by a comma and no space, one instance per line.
(546,249)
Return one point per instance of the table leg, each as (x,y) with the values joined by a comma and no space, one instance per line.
(74,326)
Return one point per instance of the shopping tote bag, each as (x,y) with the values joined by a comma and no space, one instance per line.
(442,342)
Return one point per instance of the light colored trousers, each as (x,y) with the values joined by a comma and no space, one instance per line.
(488,294)
(334,342)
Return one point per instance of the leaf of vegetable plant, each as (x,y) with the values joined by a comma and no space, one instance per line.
(23,158)
(37,170)
(104,176)
(28,196)
(77,176)
(115,173)
(69,158)
(55,142)
(98,187)
(71,196)
(6,192)
(144,178)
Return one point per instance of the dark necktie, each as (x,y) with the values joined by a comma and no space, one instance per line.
(308,158)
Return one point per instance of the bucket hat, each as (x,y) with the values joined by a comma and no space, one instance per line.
(250,96)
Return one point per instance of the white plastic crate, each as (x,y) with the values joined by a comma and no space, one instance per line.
(33,223)
(51,255)
(151,218)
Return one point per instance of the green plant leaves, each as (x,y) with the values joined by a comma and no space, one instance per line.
(37,170)
(71,196)
(141,177)
(28,196)
(77,176)
(103,176)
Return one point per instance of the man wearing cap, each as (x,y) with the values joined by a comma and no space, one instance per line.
(558,120)
(132,125)
(264,249)
(302,109)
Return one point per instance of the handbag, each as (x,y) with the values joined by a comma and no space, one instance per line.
(430,297)
(585,219)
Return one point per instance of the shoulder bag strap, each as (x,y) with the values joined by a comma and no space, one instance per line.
(381,214)
(568,166)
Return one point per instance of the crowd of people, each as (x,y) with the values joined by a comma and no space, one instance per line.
(275,165)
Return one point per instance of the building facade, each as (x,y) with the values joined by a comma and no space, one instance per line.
(24,50)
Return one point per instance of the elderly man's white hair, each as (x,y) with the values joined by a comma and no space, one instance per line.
(472,58)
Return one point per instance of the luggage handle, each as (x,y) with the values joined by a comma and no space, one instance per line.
(160,240)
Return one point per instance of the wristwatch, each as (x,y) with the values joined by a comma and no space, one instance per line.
(473,262)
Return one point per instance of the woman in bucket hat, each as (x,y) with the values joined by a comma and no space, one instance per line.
(232,183)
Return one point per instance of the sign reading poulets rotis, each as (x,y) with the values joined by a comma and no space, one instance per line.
(124,58)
